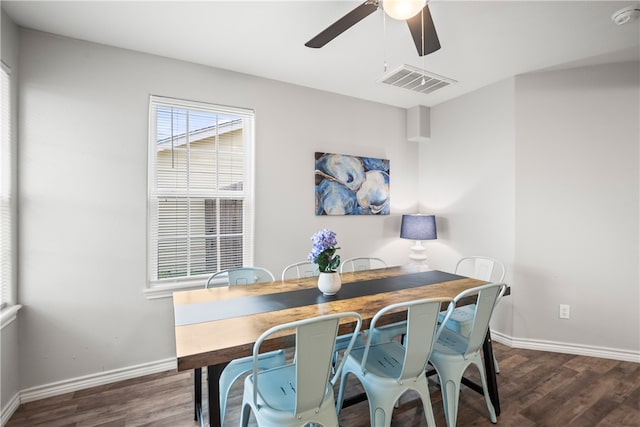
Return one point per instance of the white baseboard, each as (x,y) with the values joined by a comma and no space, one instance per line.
(560,347)
(87,381)
(11,407)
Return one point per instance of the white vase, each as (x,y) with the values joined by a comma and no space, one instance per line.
(329,283)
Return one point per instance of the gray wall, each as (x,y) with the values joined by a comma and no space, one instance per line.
(83,145)
(9,357)
(577,198)
(541,171)
(84,110)
(467,181)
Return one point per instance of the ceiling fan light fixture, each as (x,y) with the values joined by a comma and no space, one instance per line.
(403,9)
(626,14)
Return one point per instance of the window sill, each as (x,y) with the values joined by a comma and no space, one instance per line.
(166,291)
(8,315)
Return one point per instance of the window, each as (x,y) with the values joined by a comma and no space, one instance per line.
(7,196)
(200,191)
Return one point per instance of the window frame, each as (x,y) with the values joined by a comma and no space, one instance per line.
(159,288)
(8,225)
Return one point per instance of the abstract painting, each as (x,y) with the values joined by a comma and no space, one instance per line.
(351,185)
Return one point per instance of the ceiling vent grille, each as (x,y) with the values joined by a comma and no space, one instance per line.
(411,78)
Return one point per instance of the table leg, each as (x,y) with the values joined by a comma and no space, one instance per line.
(213,392)
(490,372)
(197,393)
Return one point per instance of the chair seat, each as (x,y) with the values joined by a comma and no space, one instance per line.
(450,342)
(276,399)
(277,388)
(384,359)
(301,392)
(238,367)
(461,319)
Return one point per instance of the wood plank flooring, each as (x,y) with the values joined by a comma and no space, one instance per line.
(536,389)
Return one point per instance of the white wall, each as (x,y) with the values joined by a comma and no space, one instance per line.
(9,357)
(577,199)
(542,171)
(467,181)
(83,200)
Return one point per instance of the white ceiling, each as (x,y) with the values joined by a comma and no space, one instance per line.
(482,41)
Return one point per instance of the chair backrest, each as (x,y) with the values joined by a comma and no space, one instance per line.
(361,264)
(315,341)
(481,268)
(240,276)
(487,296)
(422,333)
(300,269)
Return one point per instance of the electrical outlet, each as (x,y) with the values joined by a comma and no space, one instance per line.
(564,311)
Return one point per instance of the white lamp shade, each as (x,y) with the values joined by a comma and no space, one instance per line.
(403,9)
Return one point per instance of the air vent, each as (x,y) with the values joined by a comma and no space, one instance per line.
(411,78)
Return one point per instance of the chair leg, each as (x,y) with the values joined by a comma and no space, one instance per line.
(244,415)
(450,397)
(487,398)
(343,382)
(379,417)
(380,407)
(428,409)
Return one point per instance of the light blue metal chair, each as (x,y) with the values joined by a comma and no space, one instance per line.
(382,334)
(361,264)
(453,352)
(481,268)
(302,269)
(236,368)
(299,270)
(388,370)
(301,392)
(239,276)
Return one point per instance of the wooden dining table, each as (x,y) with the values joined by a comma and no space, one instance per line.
(217,325)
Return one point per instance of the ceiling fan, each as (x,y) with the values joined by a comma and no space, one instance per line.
(415,12)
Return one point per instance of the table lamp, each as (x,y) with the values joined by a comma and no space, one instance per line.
(418,227)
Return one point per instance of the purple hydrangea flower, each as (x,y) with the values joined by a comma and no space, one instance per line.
(323,248)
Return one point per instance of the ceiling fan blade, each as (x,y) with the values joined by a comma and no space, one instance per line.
(431,42)
(343,24)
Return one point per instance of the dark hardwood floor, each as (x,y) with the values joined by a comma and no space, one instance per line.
(536,389)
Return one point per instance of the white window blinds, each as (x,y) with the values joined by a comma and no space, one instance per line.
(200,203)
(7,286)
